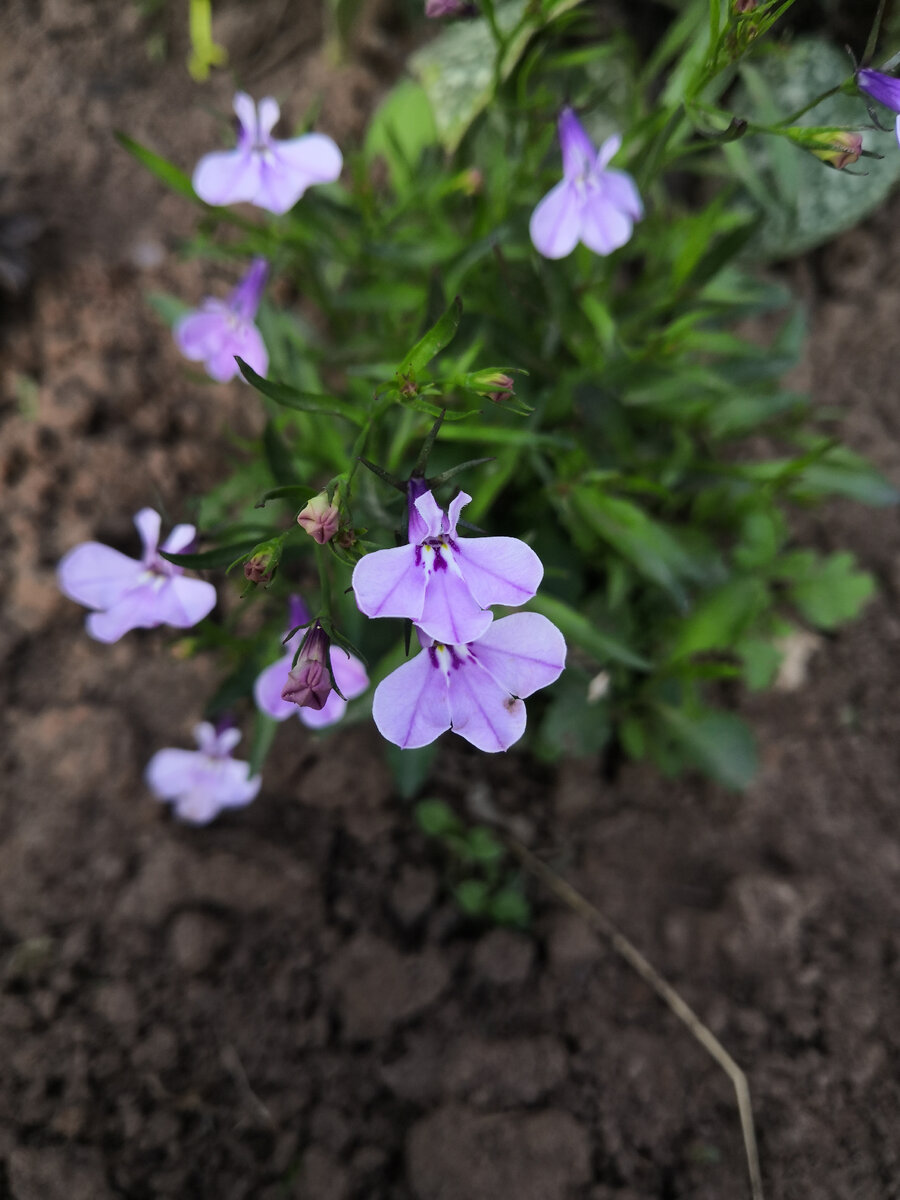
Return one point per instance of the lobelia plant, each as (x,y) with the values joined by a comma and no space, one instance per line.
(569,345)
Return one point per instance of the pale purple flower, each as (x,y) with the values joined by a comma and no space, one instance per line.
(267,172)
(349,674)
(442,582)
(883,88)
(128,593)
(591,204)
(220,329)
(476,689)
(201,783)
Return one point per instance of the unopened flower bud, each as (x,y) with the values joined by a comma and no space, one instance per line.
(846,149)
(836,147)
(493,384)
(261,566)
(309,682)
(320,518)
(744,6)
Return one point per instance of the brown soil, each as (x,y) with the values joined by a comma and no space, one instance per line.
(286,1004)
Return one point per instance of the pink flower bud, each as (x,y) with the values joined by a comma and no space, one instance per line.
(447,8)
(321,518)
(309,683)
(261,566)
(845,149)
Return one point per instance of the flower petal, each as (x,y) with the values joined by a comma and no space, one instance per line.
(199,334)
(555,224)
(96,575)
(171,772)
(180,537)
(451,614)
(457,504)
(349,673)
(268,688)
(245,110)
(244,300)
(619,188)
(227,176)
(482,711)
(411,706)
(578,153)
(250,346)
(136,610)
(609,150)
(883,88)
(226,741)
(220,365)
(432,515)
(315,157)
(388,583)
(329,714)
(522,652)
(149,523)
(603,227)
(268,113)
(499,570)
(897,129)
(183,602)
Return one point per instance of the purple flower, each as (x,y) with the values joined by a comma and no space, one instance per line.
(591,204)
(131,594)
(201,783)
(476,689)
(220,329)
(349,674)
(262,170)
(443,582)
(883,88)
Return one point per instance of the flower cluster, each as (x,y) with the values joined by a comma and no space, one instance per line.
(472,673)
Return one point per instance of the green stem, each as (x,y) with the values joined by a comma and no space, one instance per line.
(327,605)
(873,34)
(794,117)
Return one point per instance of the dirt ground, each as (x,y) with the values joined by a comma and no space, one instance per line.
(286,1004)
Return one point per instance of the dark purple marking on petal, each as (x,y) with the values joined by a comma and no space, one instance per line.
(418,556)
(440,563)
(433,654)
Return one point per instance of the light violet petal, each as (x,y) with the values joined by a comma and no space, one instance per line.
(556,222)
(268,113)
(457,504)
(227,740)
(250,346)
(180,537)
(149,523)
(268,688)
(499,570)
(244,300)
(388,583)
(205,736)
(245,111)
(199,334)
(451,614)
(315,157)
(182,602)
(431,513)
(170,772)
(227,176)
(897,130)
(603,227)
(96,575)
(619,189)
(609,150)
(329,714)
(411,706)
(482,711)
(279,187)
(223,783)
(136,610)
(578,153)
(349,673)
(522,652)
(221,366)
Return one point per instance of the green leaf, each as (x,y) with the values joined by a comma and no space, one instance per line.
(173,177)
(484,846)
(434,341)
(508,906)
(584,633)
(436,818)
(472,896)
(410,769)
(572,726)
(721,618)
(221,556)
(290,491)
(264,730)
(278,456)
(718,742)
(846,474)
(402,127)
(832,591)
(290,397)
